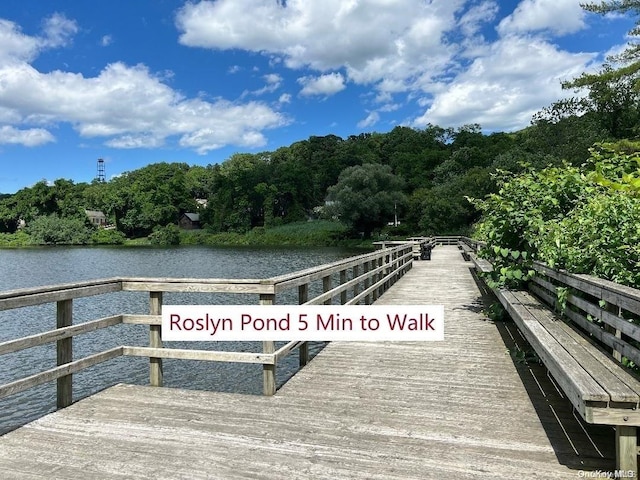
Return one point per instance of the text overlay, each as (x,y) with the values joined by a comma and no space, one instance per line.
(369,323)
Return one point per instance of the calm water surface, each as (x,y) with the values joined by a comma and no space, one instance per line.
(47,266)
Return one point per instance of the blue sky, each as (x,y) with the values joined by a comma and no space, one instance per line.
(138,82)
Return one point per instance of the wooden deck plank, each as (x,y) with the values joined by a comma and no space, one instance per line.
(455,409)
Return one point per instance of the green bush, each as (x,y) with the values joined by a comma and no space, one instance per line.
(586,220)
(54,230)
(108,237)
(18,239)
(167,235)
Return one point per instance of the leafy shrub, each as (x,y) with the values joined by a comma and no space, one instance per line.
(496,312)
(18,239)
(54,230)
(586,220)
(108,237)
(167,235)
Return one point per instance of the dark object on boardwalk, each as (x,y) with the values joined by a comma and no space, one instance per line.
(425,251)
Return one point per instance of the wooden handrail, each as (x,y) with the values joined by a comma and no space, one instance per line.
(371,274)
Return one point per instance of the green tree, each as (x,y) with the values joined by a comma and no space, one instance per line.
(612,93)
(54,230)
(167,235)
(155,195)
(366,197)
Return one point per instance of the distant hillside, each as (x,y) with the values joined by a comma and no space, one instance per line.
(436,169)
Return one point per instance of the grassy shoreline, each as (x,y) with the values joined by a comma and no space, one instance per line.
(320,233)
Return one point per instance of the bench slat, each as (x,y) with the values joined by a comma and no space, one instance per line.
(598,333)
(602,369)
(601,356)
(572,378)
(481,264)
(626,327)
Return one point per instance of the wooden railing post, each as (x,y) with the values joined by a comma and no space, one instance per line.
(356,273)
(394,266)
(387,271)
(326,286)
(614,309)
(343,280)
(376,276)
(616,353)
(268,371)
(155,340)
(64,352)
(303,350)
(627,450)
(367,282)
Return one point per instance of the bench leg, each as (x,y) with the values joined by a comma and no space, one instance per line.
(626,449)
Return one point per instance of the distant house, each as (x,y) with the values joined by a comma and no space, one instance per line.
(202,202)
(96,217)
(189,221)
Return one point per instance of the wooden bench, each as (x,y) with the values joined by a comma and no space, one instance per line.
(467,250)
(480,264)
(426,248)
(583,348)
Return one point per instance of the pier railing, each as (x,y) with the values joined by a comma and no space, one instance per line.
(360,279)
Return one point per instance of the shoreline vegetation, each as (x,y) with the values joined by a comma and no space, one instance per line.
(523,191)
(319,233)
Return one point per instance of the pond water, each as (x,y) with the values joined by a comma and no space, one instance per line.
(48,266)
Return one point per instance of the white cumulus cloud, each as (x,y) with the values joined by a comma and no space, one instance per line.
(371,120)
(127,105)
(31,137)
(557,16)
(106,40)
(58,31)
(372,39)
(324,85)
(503,89)
(439,55)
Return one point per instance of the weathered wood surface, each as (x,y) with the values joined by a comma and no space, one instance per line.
(455,409)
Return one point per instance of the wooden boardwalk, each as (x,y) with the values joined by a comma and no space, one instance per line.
(462,408)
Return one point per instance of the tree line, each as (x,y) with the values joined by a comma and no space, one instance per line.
(583,217)
(420,176)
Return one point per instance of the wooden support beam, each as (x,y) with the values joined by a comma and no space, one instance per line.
(64,353)
(326,286)
(343,280)
(268,371)
(376,276)
(356,274)
(627,450)
(155,340)
(367,283)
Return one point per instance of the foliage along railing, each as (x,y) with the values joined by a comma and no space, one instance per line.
(606,311)
(360,279)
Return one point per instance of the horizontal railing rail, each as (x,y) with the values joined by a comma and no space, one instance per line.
(608,311)
(362,278)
